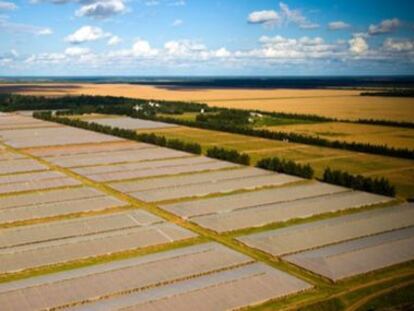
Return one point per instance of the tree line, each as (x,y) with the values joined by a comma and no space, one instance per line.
(228,155)
(286,166)
(359,182)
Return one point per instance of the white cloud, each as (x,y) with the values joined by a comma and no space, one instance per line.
(77,51)
(183,48)
(296,17)
(222,53)
(285,49)
(338,25)
(86,33)
(286,16)
(114,40)
(8,26)
(102,8)
(358,45)
(142,48)
(264,17)
(46,58)
(177,22)
(399,45)
(5,5)
(386,26)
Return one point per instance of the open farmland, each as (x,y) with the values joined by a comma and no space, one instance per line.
(398,171)
(341,103)
(350,132)
(358,256)
(64,242)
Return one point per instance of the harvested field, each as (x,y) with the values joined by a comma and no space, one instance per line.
(144,275)
(130,123)
(41,137)
(75,246)
(340,107)
(358,256)
(146,153)
(34,181)
(251,199)
(316,234)
(339,103)
(152,168)
(20,165)
(272,213)
(368,134)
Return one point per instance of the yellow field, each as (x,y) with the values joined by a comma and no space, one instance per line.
(341,103)
(400,172)
(350,132)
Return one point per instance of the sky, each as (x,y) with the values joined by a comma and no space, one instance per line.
(206,37)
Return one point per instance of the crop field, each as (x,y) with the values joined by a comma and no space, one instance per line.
(163,189)
(398,171)
(358,256)
(147,152)
(156,222)
(54,203)
(34,181)
(19,165)
(334,230)
(50,136)
(256,216)
(21,122)
(369,134)
(131,124)
(152,168)
(75,242)
(230,203)
(337,103)
(189,273)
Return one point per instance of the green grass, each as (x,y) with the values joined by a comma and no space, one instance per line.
(333,304)
(399,297)
(274,121)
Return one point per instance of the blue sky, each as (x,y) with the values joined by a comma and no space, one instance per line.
(206,37)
